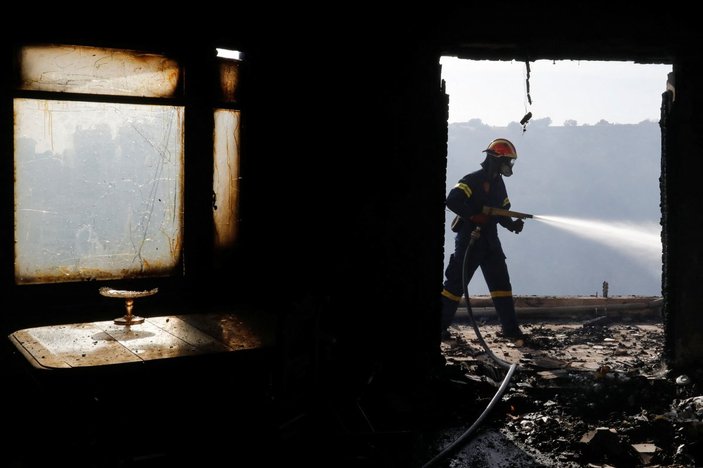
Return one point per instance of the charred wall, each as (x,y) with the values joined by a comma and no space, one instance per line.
(681,193)
(344,157)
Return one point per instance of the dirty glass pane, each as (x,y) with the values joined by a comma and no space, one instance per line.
(226,176)
(229,80)
(98,191)
(95,70)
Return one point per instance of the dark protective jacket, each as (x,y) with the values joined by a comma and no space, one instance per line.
(467,199)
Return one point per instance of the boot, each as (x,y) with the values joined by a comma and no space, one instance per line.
(449,308)
(505,307)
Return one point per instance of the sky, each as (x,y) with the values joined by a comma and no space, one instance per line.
(584,91)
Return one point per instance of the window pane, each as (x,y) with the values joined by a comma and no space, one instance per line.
(229,80)
(226,176)
(98,191)
(78,69)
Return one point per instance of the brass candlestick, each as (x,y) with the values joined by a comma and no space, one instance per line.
(129,296)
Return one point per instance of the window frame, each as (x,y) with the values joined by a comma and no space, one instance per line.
(197,93)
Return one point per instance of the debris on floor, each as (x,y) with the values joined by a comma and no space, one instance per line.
(585,394)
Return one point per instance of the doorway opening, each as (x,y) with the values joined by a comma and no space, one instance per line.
(589,153)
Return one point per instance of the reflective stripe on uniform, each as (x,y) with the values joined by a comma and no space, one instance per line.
(495,294)
(451,296)
(465,188)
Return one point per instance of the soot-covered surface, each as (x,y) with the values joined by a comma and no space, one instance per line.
(594,394)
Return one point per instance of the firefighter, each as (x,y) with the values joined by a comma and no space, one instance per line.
(482,188)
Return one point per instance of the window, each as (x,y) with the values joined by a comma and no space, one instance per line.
(226,177)
(226,153)
(97,190)
(99,162)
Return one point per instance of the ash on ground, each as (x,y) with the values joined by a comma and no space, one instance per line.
(594,394)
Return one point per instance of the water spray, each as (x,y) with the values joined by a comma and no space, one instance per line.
(641,241)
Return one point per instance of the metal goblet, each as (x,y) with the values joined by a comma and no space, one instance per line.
(129,296)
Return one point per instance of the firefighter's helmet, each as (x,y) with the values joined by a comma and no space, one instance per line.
(501,148)
(502,155)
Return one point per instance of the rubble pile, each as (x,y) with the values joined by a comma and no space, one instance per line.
(594,395)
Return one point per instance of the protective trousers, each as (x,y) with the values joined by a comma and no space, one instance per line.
(491,259)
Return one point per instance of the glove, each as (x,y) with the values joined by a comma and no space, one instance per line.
(475,234)
(517,226)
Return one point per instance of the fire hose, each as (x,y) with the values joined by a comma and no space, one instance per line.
(510,366)
(488,210)
(465,284)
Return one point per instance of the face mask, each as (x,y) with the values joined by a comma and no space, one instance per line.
(506,168)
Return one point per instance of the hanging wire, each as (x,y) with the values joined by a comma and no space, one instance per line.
(528,115)
(527,82)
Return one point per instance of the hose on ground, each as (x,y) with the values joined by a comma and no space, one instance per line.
(506,381)
(465,436)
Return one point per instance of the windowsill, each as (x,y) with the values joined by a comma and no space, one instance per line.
(101,343)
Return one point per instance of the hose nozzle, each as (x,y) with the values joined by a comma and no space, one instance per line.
(491,211)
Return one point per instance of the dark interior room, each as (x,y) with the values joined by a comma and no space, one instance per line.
(278,217)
